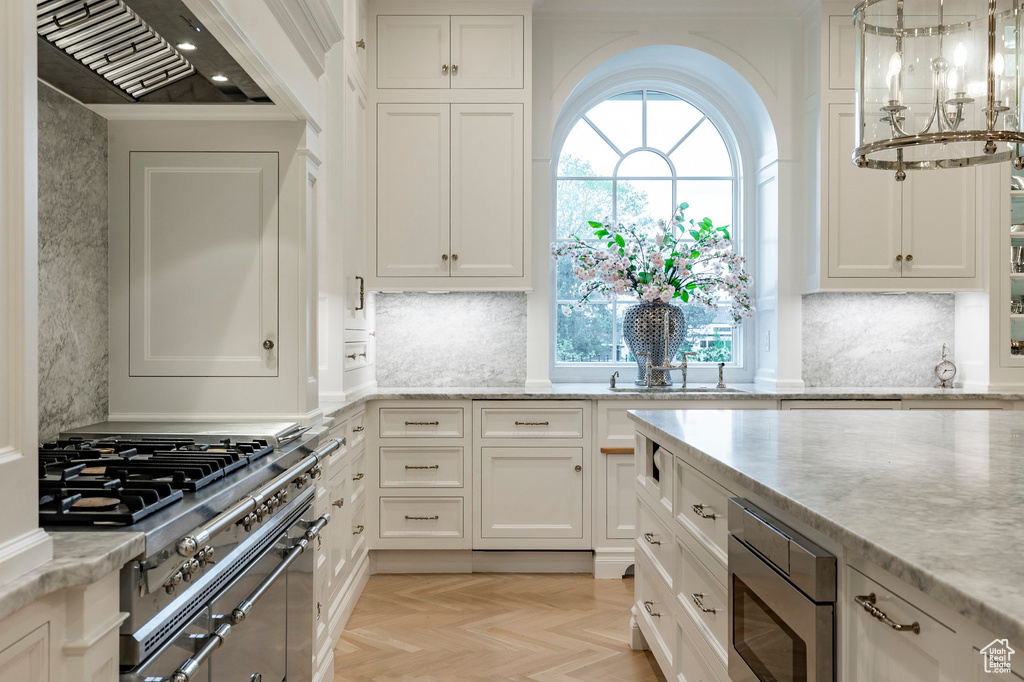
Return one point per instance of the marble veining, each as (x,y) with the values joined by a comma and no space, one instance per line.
(456,339)
(933,497)
(870,339)
(73,348)
(79,558)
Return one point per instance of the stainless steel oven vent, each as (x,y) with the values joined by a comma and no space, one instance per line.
(114,42)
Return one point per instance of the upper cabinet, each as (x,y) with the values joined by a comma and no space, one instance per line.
(450,100)
(203,289)
(441,52)
(877,234)
(355,30)
(924,227)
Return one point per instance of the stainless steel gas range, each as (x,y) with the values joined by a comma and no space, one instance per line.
(224,589)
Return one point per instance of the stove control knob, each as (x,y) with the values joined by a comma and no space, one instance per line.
(263,510)
(249,521)
(173,581)
(205,555)
(315,472)
(283,496)
(272,503)
(301,481)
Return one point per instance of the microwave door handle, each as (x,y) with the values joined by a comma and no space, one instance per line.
(187,670)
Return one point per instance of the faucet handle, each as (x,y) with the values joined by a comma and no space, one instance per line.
(611,382)
(721,381)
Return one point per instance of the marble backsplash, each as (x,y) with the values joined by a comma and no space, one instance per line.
(875,339)
(457,339)
(73,336)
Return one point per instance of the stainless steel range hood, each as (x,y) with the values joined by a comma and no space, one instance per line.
(112,51)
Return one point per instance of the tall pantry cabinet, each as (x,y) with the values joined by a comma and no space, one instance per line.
(450,121)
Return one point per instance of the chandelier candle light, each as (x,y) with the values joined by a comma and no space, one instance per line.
(937,84)
(686,260)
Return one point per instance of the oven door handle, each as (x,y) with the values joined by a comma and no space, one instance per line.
(214,641)
(308,468)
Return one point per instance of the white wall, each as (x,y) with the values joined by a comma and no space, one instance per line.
(764,48)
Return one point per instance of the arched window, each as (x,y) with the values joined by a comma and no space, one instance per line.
(634,157)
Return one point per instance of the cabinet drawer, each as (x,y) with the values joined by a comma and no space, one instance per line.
(358,542)
(531,423)
(355,430)
(697,587)
(701,506)
(876,651)
(358,475)
(429,422)
(656,541)
(654,609)
(693,667)
(421,517)
(355,355)
(421,467)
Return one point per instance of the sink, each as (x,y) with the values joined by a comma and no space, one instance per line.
(674,389)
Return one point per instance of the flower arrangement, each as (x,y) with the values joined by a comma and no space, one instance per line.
(663,267)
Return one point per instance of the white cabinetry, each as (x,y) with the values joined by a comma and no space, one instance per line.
(417,484)
(877,234)
(456,173)
(531,475)
(924,227)
(451,101)
(449,52)
(203,229)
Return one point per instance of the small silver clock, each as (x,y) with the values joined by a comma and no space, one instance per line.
(945,370)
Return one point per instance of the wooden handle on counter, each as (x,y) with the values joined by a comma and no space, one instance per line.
(617,451)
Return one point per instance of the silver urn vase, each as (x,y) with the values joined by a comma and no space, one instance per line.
(643,330)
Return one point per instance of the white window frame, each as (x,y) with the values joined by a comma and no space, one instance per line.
(741,370)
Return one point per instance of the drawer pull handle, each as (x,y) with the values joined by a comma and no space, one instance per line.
(358,530)
(358,477)
(429,466)
(339,503)
(868,602)
(531,423)
(421,518)
(422,423)
(697,597)
(353,356)
(698,509)
(650,538)
(649,606)
(357,429)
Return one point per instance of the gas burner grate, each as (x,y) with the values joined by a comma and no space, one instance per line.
(123,505)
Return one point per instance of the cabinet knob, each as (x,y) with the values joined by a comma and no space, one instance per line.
(361,44)
(455,69)
(899,258)
(339,503)
(268,344)
(579,468)
(444,257)
(455,256)
(909,258)
(444,69)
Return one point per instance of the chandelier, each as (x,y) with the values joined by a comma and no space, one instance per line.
(938,84)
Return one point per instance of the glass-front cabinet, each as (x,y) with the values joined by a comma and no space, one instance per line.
(1012,353)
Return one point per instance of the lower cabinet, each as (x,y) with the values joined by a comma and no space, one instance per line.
(531,475)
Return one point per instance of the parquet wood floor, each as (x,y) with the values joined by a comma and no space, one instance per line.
(444,628)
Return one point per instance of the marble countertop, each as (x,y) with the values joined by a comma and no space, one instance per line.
(934,497)
(79,558)
(331,407)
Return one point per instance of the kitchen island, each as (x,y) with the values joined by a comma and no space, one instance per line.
(933,499)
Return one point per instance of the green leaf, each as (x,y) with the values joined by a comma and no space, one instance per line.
(725,233)
(669,264)
(683,206)
(691,285)
(594,223)
(619,240)
(685,296)
(601,233)
(694,253)
(695,234)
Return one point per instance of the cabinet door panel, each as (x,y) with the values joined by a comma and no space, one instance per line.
(487,52)
(413,211)
(621,511)
(531,493)
(863,208)
(487,190)
(203,263)
(939,223)
(354,211)
(411,51)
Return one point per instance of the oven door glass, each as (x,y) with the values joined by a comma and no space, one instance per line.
(774,652)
